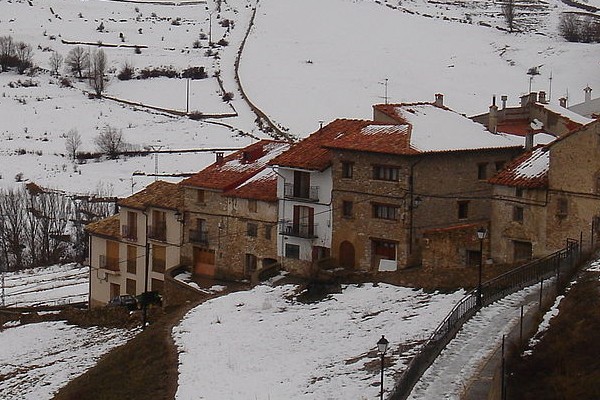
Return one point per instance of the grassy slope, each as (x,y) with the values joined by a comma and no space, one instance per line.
(565,364)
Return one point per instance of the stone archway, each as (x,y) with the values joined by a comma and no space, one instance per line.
(347,255)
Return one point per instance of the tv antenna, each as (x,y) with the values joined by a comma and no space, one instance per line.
(385,85)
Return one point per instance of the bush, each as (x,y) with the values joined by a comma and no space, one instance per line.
(126,72)
(197,44)
(223,42)
(167,72)
(194,73)
(227,96)
(66,82)
(576,28)
(137,50)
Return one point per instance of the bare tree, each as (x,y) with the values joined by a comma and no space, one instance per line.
(7,53)
(12,213)
(508,10)
(24,54)
(78,60)
(97,74)
(73,142)
(110,141)
(56,61)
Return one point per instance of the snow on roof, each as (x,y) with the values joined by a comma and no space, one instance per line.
(440,129)
(238,167)
(530,170)
(563,112)
(262,186)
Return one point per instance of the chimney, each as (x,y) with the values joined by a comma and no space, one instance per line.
(542,97)
(588,94)
(563,102)
(532,97)
(219,155)
(524,100)
(504,98)
(493,116)
(529,141)
(439,100)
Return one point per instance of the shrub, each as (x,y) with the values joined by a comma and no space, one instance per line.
(197,44)
(167,72)
(137,50)
(575,28)
(228,96)
(194,73)
(223,42)
(126,72)
(66,82)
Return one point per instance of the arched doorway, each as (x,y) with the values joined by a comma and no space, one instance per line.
(347,255)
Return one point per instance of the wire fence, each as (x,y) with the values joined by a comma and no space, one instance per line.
(556,264)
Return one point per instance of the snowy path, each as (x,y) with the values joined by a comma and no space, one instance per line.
(474,344)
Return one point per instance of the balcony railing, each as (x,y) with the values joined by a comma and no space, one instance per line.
(158,232)
(129,232)
(312,194)
(111,263)
(198,236)
(299,230)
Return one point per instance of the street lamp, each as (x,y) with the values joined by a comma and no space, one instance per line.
(382,346)
(481,234)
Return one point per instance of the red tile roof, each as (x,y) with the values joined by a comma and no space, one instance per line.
(238,167)
(529,170)
(262,187)
(107,227)
(157,194)
(311,153)
(376,138)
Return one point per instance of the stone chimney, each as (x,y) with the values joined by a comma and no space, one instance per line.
(588,94)
(504,98)
(529,141)
(563,102)
(219,157)
(439,100)
(542,97)
(493,116)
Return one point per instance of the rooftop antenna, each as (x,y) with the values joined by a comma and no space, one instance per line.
(385,84)
(156,149)
(550,88)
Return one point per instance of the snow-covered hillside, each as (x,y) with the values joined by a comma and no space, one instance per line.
(304,62)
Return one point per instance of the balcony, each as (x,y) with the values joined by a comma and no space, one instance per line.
(158,232)
(129,232)
(110,263)
(310,194)
(199,236)
(299,230)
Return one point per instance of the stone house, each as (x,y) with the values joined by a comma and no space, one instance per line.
(130,251)
(548,196)
(231,214)
(414,168)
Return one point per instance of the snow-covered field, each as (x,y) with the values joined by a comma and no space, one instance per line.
(304,62)
(264,344)
(38,359)
(55,285)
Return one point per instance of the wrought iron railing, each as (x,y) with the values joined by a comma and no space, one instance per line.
(198,236)
(555,264)
(129,232)
(299,230)
(158,232)
(309,193)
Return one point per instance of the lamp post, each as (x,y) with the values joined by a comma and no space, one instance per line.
(481,234)
(382,346)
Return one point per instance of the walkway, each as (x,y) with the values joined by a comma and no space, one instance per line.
(475,352)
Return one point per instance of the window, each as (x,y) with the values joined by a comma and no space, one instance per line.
(499,165)
(115,290)
(384,249)
(200,196)
(130,230)
(347,169)
(463,209)
(386,173)
(251,263)
(347,208)
(383,211)
(251,229)
(158,230)
(159,258)
(131,259)
(518,214)
(482,171)
(200,233)
(268,231)
(111,259)
(292,251)
(130,286)
(252,206)
(304,221)
(301,184)
(562,207)
(519,192)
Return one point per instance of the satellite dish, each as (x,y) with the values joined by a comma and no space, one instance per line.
(536,124)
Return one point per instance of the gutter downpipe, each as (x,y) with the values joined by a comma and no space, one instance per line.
(282,215)
(411,205)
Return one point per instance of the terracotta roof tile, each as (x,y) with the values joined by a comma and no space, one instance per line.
(238,167)
(377,138)
(529,170)
(108,227)
(262,187)
(310,153)
(158,194)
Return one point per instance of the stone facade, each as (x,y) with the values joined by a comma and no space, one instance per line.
(455,246)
